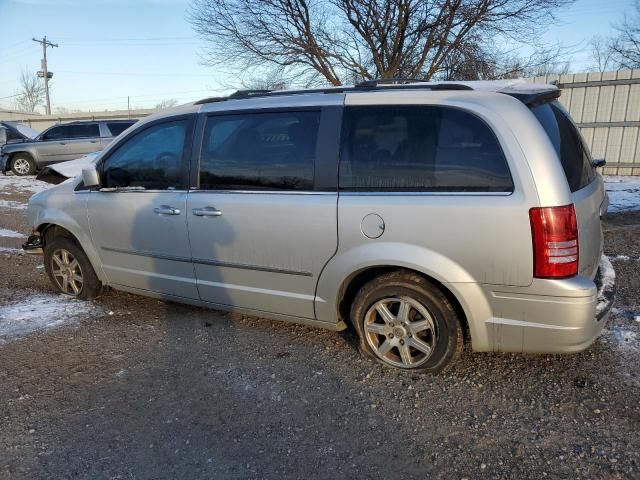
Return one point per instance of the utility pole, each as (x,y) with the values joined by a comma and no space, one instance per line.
(45,73)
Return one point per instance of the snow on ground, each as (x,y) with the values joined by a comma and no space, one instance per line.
(10,233)
(624,193)
(23,184)
(608,278)
(12,204)
(41,312)
(621,338)
(11,251)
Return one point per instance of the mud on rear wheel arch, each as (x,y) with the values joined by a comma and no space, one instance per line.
(351,286)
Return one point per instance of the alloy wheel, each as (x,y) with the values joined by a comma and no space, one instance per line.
(21,166)
(401,331)
(67,272)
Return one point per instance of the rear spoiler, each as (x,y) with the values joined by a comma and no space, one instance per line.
(533,99)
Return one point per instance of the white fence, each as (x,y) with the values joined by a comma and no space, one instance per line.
(606,107)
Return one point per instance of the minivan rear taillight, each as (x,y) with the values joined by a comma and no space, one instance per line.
(554,231)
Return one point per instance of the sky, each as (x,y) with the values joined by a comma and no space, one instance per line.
(146,50)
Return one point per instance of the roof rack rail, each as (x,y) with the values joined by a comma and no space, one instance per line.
(388,81)
(249,93)
(400,84)
(407,83)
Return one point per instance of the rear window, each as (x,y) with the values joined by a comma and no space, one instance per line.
(420,148)
(567,141)
(118,127)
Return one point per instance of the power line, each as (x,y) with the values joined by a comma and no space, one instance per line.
(146,74)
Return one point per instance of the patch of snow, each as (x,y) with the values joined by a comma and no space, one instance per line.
(619,258)
(41,312)
(623,191)
(623,338)
(11,233)
(608,278)
(12,204)
(30,184)
(11,251)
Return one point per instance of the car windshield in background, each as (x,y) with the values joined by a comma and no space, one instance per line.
(573,153)
(116,128)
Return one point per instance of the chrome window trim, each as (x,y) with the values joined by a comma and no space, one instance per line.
(268,192)
(426,194)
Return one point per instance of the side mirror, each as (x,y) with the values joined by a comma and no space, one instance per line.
(90,176)
(598,162)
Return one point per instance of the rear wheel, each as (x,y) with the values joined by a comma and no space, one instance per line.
(22,164)
(406,322)
(69,269)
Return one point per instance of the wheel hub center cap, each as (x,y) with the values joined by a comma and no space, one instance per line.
(399,332)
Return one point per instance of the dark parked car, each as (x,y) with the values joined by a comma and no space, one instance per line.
(59,143)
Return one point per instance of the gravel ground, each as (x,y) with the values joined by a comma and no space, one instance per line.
(130,387)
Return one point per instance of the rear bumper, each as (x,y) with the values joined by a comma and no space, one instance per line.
(552,316)
(4,163)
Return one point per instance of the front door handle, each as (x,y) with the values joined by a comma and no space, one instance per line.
(207,212)
(166,210)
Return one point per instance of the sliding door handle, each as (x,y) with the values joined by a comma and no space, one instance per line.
(206,212)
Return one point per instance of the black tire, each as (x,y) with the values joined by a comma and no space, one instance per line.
(90,287)
(426,305)
(22,165)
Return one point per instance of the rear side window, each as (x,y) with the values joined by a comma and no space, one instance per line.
(420,148)
(118,127)
(87,130)
(259,151)
(567,141)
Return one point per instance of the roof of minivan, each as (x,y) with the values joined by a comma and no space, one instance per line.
(521,89)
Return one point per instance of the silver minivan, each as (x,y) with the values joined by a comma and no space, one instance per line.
(421,215)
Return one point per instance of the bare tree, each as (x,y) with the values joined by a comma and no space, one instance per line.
(168,103)
(625,46)
(337,41)
(601,53)
(270,80)
(473,61)
(31,93)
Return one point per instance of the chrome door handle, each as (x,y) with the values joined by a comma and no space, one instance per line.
(206,212)
(166,210)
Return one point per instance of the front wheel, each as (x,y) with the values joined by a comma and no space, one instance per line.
(406,322)
(22,165)
(70,270)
